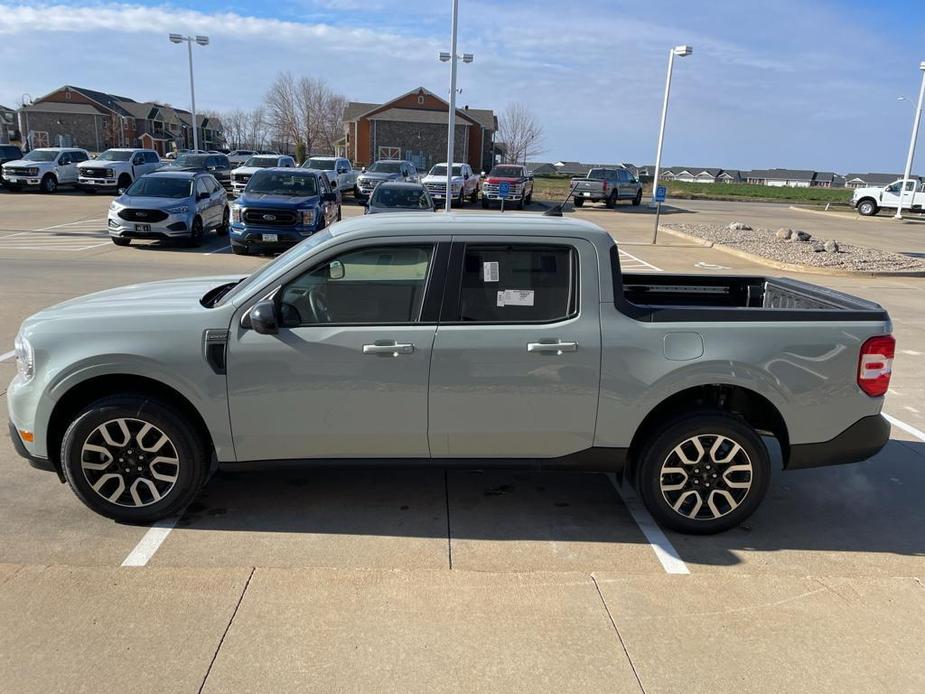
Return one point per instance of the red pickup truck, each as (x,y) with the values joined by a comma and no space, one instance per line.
(519,188)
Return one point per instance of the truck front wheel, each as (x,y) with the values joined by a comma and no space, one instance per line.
(868,208)
(611,201)
(703,473)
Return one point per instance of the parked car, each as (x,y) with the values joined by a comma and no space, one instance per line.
(241,175)
(484,340)
(465,183)
(45,167)
(385,170)
(8,153)
(169,205)
(279,208)
(215,164)
(608,186)
(239,156)
(519,183)
(116,169)
(398,196)
(870,200)
(339,171)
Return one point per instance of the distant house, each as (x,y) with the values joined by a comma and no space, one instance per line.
(828,179)
(732,176)
(572,168)
(864,180)
(791,178)
(8,130)
(541,168)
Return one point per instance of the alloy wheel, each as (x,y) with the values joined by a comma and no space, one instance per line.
(130,462)
(706,477)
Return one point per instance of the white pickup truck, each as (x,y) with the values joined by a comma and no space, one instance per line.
(869,201)
(116,169)
(45,167)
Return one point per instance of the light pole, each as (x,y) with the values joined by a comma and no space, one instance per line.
(202,41)
(25,100)
(915,134)
(681,52)
(451,57)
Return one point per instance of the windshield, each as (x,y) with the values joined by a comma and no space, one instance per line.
(440,170)
(407,198)
(322,164)
(114,155)
(386,167)
(290,257)
(41,155)
(278,183)
(262,162)
(507,171)
(196,160)
(161,187)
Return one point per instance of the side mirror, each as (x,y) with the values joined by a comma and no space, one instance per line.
(262,318)
(363,170)
(483,173)
(336,270)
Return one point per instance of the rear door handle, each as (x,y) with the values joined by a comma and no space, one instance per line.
(556,347)
(394,349)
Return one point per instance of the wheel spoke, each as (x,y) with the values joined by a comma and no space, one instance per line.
(686,495)
(738,484)
(133,490)
(729,499)
(679,451)
(107,457)
(103,480)
(674,471)
(730,455)
(123,429)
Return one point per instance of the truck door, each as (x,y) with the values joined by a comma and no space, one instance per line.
(890,195)
(516,365)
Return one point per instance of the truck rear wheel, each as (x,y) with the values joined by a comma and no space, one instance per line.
(868,208)
(579,202)
(611,201)
(703,473)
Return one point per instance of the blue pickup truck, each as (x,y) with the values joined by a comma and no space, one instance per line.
(279,208)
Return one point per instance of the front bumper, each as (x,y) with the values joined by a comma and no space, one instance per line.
(97,182)
(34,460)
(18,180)
(860,441)
(255,237)
(175,226)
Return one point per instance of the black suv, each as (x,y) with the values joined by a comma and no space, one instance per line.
(9,153)
(215,164)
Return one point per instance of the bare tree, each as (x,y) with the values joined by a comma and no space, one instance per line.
(255,131)
(235,125)
(521,133)
(305,112)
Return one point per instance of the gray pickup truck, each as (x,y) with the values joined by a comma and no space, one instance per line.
(476,341)
(608,186)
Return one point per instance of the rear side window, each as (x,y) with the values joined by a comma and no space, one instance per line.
(151,157)
(518,283)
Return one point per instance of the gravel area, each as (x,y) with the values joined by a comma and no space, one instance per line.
(767,244)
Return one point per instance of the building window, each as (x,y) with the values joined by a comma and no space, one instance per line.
(389,153)
(421,99)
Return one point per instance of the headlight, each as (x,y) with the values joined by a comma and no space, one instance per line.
(25,357)
(307,217)
(109,173)
(179,209)
(34,171)
(236,212)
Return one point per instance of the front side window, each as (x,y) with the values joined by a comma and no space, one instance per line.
(201,186)
(375,285)
(518,283)
(160,187)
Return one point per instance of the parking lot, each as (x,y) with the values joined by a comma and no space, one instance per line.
(447,580)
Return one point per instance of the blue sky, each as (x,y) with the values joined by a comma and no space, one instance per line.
(785,83)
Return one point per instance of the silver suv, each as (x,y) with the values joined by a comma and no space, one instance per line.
(385,170)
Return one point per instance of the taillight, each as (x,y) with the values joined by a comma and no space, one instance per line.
(875,365)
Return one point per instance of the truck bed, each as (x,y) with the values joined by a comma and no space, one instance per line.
(665,297)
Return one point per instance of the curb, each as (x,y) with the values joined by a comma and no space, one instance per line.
(790,267)
(856,217)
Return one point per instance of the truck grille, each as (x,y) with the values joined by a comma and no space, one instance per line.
(16,170)
(241,178)
(436,188)
(269,217)
(87,172)
(134,215)
(491,190)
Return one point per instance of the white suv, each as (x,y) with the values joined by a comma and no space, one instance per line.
(46,167)
(465,184)
(117,169)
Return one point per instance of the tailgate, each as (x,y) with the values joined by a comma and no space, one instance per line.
(585,185)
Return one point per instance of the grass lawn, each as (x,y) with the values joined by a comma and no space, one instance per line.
(557,187)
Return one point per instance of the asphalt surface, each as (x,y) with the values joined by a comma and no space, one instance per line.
(433,580)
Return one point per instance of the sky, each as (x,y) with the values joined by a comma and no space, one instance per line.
(807,84)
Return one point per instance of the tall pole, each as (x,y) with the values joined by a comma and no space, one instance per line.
(915,135)
(661,127)
(451,134)
(192,93)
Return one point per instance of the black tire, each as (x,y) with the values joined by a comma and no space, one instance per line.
(867,208)
(183,445)
(698,515)
(637,201)
(223,228)
(474,198)
(239,250)
(579,202)
(120,241)
(461,199)
(611,201)
(529,199)
(484,204)
(340,213)
(49,184)
(356,192)
(196,233)
(124,182)
(520,204)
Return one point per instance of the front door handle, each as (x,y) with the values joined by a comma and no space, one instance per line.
(394,349)
(556,347)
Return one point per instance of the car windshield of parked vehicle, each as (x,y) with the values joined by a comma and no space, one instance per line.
(194,160)
(440,170)
(114,155)
(262,162)
(405,198)
(385,167)
(41,155)
(161,187)
(277,183)
(507,171)
(320,164)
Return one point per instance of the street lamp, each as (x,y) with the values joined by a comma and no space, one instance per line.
(451,58)
(915,134)
(202,41)
(681,52)
(24,101)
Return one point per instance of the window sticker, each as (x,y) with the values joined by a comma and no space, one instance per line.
(490,271)
(515,297)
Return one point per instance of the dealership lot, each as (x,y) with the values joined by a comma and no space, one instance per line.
(419,580)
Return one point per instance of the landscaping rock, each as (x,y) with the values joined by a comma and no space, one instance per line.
(800,236)
(784,233)
(831,246)
(818,247)
(739,226)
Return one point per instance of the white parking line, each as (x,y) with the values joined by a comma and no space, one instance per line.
(665,552)
(7,355)
(635,263)
(93,222)
(150,543)
(219,250)
(908,428)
